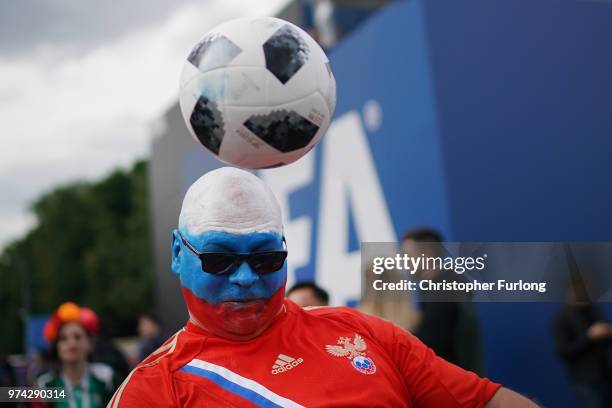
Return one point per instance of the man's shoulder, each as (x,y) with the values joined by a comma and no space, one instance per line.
(332,311)
(347,321)
(340,316)
(172,354)
(152,377)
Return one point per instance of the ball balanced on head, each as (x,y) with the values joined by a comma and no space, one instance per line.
(257,92)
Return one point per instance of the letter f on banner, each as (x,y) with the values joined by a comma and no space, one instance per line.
(349,177)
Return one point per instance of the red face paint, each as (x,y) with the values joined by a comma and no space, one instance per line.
(238,321)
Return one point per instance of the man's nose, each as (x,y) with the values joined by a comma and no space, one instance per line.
(243,276)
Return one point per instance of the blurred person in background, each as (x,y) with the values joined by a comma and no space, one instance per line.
(449,324)
(7,375)
(70,332)
(583,338)
(150,335)
(37,365)
(106,352)
(394,306)
(306,294)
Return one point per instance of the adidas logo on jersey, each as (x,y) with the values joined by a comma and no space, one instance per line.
(285,363)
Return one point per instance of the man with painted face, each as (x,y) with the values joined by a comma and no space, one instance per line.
(245,345)
(229,253)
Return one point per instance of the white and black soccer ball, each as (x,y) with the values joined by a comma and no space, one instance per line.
(257,92)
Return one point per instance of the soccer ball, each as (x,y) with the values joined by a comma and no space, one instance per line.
(257,92)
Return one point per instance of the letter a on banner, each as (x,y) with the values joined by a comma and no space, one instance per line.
(349,178)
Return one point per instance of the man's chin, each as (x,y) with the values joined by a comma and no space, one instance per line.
(235,319)
(243,318)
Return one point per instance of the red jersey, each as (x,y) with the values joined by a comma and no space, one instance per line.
(322,357)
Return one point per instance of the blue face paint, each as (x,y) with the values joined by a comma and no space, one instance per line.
(243,283)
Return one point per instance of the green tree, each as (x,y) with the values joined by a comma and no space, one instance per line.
(91,245)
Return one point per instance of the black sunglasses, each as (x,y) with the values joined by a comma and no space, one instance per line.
(225,263)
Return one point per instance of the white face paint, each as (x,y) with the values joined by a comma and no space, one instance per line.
(230,200)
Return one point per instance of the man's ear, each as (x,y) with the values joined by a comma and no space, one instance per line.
(176,252)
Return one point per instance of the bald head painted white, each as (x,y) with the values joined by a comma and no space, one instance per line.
(230,200)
